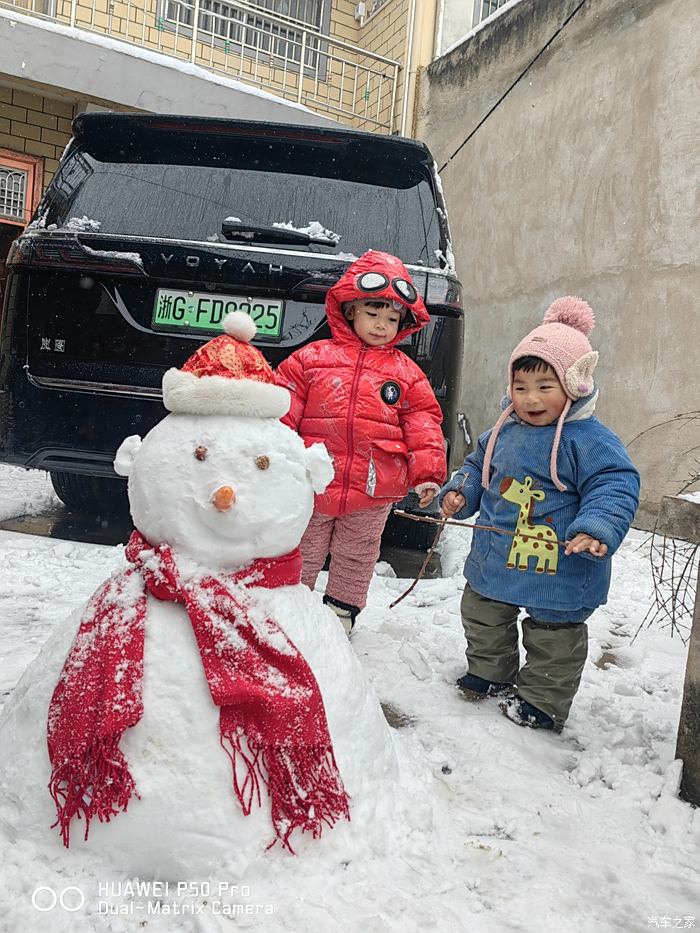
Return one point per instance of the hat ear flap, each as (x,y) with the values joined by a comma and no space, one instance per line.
(579,376)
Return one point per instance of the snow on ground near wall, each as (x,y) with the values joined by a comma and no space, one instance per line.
(531,832)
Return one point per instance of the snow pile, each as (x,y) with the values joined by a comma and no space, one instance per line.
(82,224)
(114,254)
(25,492)
(313,229)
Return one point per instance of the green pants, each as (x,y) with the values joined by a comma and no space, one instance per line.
(555,653)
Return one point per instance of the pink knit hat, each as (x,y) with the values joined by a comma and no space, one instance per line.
(562,341)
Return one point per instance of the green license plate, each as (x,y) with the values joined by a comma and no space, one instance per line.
(203,312)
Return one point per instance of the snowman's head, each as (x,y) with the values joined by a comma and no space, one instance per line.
(222,489)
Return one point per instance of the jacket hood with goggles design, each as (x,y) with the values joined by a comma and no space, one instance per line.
(375,276)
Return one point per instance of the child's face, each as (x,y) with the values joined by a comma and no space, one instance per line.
(375,322)
(538,396)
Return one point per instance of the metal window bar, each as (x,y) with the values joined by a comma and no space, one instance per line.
(259,38)
(485,8)
(13,193)
(257,42)
(46,9)
(227,22)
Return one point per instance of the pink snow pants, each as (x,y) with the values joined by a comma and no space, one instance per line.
(353,541)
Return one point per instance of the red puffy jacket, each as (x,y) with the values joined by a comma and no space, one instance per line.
(372,407)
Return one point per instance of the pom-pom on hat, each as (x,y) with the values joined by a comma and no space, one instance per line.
(562,341)
(226,376)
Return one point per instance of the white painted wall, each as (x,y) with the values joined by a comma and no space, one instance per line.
(456,21)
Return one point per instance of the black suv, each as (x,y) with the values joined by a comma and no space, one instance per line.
(154,227)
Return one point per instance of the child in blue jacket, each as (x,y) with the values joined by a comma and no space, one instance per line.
(562,485)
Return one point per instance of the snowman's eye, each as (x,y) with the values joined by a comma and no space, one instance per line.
(262,462)
(201,453)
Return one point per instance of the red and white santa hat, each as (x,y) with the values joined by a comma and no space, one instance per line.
(227,376)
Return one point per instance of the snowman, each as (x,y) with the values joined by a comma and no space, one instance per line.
(210,708)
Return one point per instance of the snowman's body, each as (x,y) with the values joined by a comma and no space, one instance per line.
(187,819)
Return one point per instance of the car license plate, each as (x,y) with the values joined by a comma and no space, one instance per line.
(203,312)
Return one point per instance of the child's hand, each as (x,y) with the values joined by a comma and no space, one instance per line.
(452,503)
(584,542)
(426,492)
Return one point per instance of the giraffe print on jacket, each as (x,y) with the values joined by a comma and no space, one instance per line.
(539,541)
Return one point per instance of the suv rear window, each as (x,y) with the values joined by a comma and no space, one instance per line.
(185,189)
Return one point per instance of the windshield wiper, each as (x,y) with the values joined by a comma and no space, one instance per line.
(244,233)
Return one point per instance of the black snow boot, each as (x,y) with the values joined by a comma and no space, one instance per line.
(476,688)
(525,714)
(345,612)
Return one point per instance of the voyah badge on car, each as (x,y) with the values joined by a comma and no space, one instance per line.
(203,312)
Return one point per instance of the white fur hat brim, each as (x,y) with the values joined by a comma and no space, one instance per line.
(187,394)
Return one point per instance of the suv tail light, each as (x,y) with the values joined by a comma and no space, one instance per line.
(444,292)
(32,253)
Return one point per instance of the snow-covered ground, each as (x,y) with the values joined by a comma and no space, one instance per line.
(529,831)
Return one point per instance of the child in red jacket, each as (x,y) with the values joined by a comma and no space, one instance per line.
(375,411)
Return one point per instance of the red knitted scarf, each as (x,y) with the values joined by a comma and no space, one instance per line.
(272,720)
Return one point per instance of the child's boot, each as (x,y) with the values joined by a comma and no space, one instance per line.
(345,612)
(476,688)
(525,714)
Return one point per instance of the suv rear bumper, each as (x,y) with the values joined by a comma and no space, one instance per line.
(46,428)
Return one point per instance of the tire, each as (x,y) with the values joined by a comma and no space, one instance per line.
(98,495)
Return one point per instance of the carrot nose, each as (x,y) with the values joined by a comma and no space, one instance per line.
(224,498)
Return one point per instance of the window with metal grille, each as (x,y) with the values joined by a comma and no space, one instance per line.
(21,182)
(485,8)
(250,33)
(13,193)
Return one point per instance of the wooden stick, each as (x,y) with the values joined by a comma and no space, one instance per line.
(441,526)
(447,521)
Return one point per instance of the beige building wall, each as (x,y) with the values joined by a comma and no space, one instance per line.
(37,122)
(343,23)
(584,180)
(386,33)
(34,124)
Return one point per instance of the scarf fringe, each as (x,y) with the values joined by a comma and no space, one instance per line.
(304,784)
(98,783)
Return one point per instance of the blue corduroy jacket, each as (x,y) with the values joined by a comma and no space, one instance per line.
(601,498)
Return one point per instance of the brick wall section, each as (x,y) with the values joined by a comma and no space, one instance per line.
(343,23)
(36,125)
(385,32)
